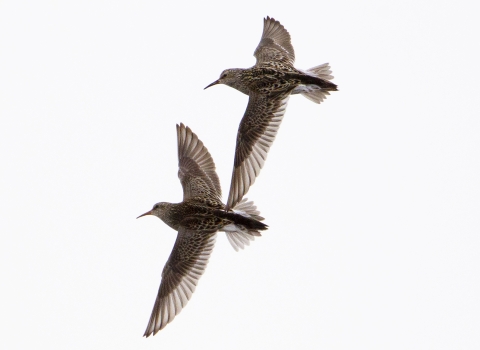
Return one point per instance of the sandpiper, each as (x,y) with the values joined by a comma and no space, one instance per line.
(269,84)
(197,219)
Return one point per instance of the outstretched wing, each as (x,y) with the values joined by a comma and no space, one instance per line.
(256,134)
(275,44)
(196,169)
(180,276)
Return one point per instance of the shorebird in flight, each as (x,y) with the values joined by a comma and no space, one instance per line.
(197,219)
(269,84)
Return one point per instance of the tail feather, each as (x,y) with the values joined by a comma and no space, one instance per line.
(313,92)
(322,71)
(239,235)
(248,209)
(239,240)
(316,95)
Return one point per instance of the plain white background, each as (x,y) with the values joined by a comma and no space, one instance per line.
(372,197)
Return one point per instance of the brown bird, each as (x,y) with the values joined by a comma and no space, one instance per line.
(197,219)
(269,84)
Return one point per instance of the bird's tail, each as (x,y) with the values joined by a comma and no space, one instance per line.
(314,92)
(246,226)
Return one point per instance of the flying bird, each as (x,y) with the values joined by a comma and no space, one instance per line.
(269,84)
(197,219)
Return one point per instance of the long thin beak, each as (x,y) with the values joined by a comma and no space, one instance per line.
(147,213)
(214,83)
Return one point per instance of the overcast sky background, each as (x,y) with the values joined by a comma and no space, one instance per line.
(372,198)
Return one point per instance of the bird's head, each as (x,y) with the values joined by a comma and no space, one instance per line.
(158,210)
(230,77)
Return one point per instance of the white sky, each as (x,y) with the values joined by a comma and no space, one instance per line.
(372,198)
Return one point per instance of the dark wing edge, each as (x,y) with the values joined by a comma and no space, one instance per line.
(256,133)
(275,44)
(196,168)
(185,266)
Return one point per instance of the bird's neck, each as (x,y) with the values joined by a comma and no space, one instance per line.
(171,215)
(239,83)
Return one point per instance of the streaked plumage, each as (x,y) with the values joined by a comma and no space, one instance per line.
(197,219)
(269,84)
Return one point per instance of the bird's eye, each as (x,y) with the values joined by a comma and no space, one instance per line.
(224,76)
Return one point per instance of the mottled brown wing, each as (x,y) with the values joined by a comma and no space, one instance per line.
(275,44)
(180,276)
(256,134)
(196,169)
